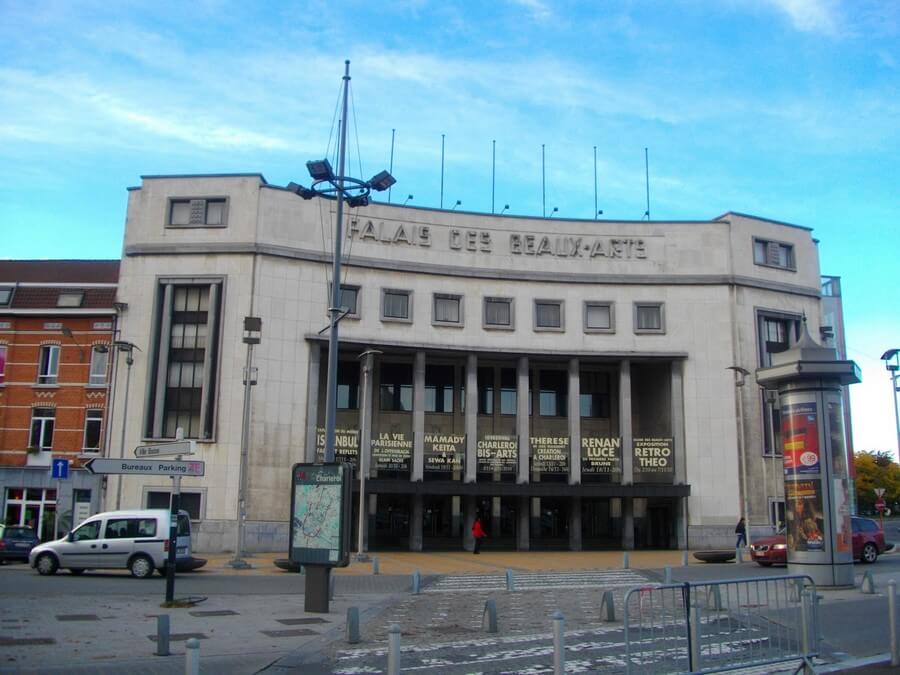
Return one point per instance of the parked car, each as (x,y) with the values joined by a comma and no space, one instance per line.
(16,542)
(868,544)
(135,540)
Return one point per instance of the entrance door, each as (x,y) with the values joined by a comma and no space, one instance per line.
(659,527)
(437,523)
(600,529)
(392,522)
(550,523)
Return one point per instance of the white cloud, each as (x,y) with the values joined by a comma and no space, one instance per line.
(811,16)
(538,9)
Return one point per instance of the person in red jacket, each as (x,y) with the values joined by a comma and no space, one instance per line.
(478,533)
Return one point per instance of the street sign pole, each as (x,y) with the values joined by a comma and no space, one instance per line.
(173,527)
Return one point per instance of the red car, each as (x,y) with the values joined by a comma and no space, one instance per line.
(868,544)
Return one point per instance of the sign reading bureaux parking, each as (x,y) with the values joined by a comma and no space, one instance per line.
(320,514)
(147,467)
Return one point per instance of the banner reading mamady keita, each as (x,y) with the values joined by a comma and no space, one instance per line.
(550,454)
(444,452)
(346,445)
(654,455)
(601,455)
(498,452)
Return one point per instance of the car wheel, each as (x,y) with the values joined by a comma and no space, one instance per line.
(763,563)
(76,570)
(46,564)
(141,567)
(869,553)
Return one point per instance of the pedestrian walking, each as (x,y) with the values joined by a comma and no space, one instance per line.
(741,532)
(478,533)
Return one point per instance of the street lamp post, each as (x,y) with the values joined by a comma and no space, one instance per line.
(252,335)
(128,349)
(894,370)
(368,357)
(740,375)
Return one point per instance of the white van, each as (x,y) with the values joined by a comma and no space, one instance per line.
(135,540)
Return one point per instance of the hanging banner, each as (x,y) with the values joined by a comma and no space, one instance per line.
(346,445)
(498,452)
(550,454)
(392,451)
(805,519)
(800,432)
(601,455)
(654,455)
(444,452)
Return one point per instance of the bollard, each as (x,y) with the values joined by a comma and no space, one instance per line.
(331,583)
(805,622)
(714,599)
(393,650)
(375,565)
(559,645)
(353,625)
(868,584)
(192,657)
(684,558)
(608,606)
(796,590)
(695,633)
(738,555)
(162,635)
(490,609)
(668,579)
(892,621)
(625,560)
(416,583)
(510,582)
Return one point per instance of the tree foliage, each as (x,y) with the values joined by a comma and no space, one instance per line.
(876,470)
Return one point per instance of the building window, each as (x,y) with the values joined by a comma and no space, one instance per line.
(548,314)
(498,313)
(438,389)
(776,332)
(648,317)
(447,309)
(348,385)
(93,425)
(42,420)
(183,387)
(197,212)
(99,365)
(191,501)
(594,395)
(396,388)
(349,302)
(773,254)
(598,317)
(553,393)
(70,299)
(485,391)
(3,349)
(6,293)
(395,305)
(509,392)
(48,368)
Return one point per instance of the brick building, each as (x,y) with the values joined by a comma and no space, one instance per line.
(57,324)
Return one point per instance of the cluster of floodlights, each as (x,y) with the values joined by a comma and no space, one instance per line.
(326,184)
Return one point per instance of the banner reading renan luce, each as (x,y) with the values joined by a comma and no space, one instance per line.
(601,455)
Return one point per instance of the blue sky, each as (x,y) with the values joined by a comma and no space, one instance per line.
(787,109)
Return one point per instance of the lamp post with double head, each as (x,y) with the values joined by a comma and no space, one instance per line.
(127,348)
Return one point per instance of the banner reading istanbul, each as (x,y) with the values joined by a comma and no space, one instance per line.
(801,438)
(346,444)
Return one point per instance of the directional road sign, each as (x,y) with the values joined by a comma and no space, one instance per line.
(147,467)
(60,469)
(165,449)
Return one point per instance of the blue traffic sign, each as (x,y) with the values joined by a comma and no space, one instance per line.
(60,469)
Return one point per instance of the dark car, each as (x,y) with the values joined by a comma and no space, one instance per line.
(868,544)
(16,542)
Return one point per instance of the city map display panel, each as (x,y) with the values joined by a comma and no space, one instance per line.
(320,514)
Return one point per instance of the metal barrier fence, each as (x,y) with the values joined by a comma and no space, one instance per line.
(721,625)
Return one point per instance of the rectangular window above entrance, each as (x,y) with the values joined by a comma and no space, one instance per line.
(207,212)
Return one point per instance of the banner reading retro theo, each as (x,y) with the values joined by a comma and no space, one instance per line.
(805,519)
(346,445)
(654,455)
(444,452)
(498,452)
(800,431)
(392,451)
(601,455)
(550,454)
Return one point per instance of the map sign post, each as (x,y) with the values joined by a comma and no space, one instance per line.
(320,526)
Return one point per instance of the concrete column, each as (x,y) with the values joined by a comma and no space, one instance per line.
(456,524)
(575,524)
(312,401)
(367,397)
(627,523)
(523,428)
(523,538)
(575,428)
(471,417)
(418,458)
(678,422)
(370,529)
(681,523)
(468,539)
(495,517)
(625,426)
(415,524)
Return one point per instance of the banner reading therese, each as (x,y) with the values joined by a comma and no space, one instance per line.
(805,519)
(654,456)
(392,451)
(498,452)
(601,455)
(444,452)
(550,454)
(346,445)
